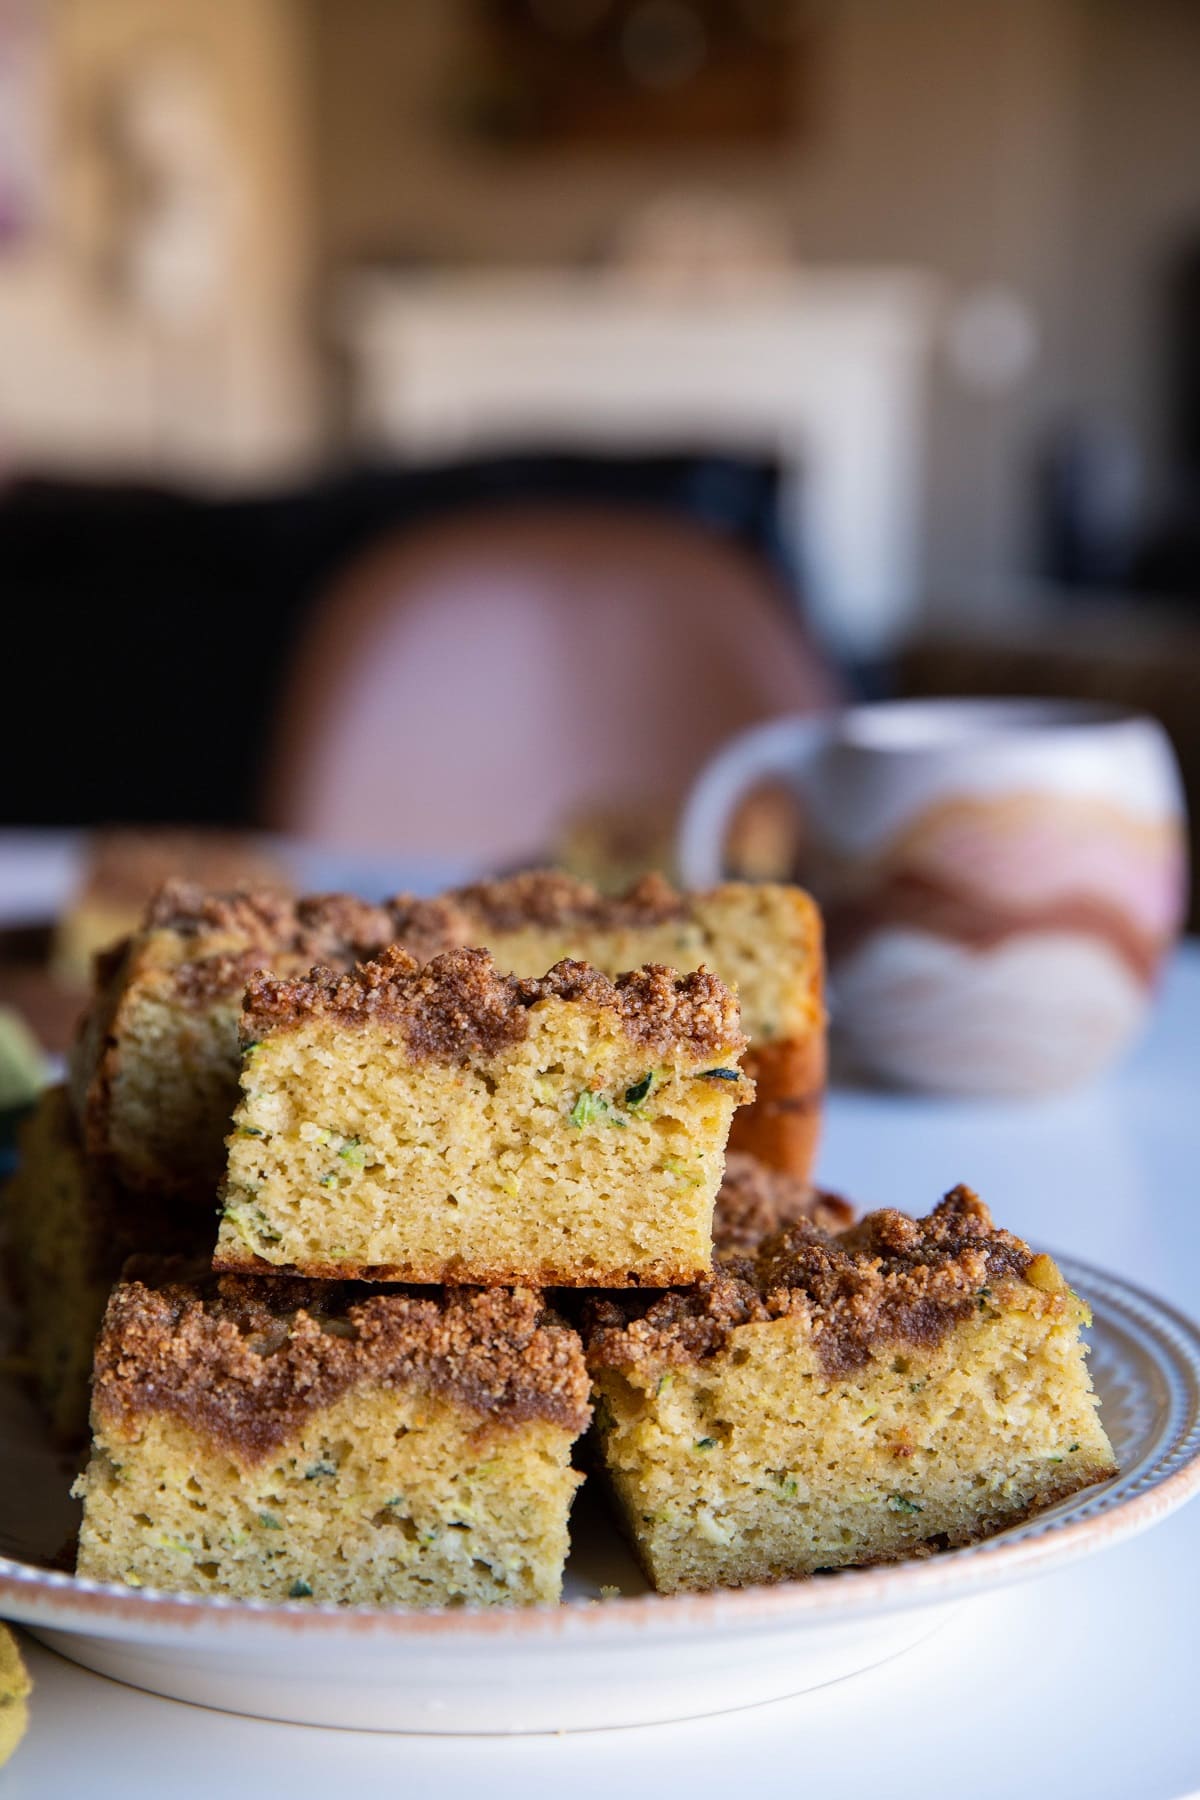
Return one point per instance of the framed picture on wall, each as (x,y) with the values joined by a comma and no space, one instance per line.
(636,73)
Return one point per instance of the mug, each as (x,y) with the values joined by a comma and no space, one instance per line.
(1001,880)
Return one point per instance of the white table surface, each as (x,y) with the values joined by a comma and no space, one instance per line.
(1080,1683)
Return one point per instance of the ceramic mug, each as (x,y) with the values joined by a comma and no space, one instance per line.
(1001,880)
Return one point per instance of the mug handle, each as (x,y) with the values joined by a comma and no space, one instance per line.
(785,748)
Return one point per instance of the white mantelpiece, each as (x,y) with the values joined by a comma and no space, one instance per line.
(828,371)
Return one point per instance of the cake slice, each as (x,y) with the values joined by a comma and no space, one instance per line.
(907,1386)
(154,1071)
(448,1123)
(281,1440)
(755,1200)
(70,1228)
(764,941)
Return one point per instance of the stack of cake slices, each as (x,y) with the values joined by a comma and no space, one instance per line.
(469,1161)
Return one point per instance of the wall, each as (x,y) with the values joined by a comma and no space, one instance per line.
(915,105)
(938,136)
(1138,199)
(1042,146)
(1051,147)
(89,379)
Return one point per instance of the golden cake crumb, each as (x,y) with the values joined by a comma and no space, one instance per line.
(449,1123)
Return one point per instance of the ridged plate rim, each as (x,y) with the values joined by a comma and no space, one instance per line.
(1163,1478)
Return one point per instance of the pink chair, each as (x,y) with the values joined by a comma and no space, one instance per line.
(473,682)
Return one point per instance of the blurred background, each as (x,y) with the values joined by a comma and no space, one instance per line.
(429,427)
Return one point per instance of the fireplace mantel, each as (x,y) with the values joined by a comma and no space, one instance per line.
(826,370)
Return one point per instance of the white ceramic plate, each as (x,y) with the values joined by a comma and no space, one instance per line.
(637,1658)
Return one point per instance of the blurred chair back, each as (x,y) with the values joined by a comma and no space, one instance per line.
(473,682)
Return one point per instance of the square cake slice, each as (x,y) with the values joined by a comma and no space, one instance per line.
(284,1440)
(907,1386)
(70,1228)
(763,940)
(448,1123)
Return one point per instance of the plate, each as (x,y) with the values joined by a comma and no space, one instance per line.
(603,1658)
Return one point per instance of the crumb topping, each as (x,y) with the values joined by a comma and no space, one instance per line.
(326,922)
(546,897)
(427,927)
(270,930)
(459,1004)
(338,925)
(888,1280)
(245,1360)
(230,935)
(261,915)
(756,1200)
(315,925)
(207,978)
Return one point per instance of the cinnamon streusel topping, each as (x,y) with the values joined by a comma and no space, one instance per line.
(245,1360)
(889,1280)
(459,1004)
(338,928)
(756,1200)
(317,925)
(261,915)
(546,897)
(330,929)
